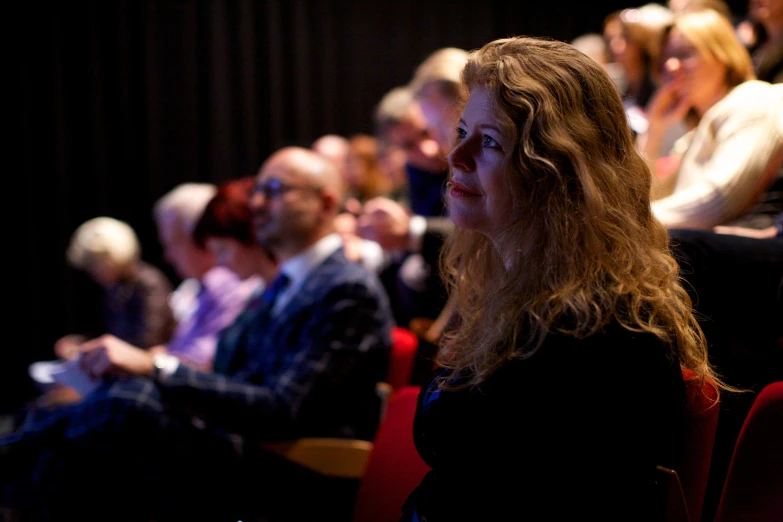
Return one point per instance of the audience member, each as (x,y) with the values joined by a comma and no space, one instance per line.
(680,6)
(564,284)
(399,121)
(135,300)
(334,148)
(364,176)
(596,47)
(436,87)
(735,151)
(633,36)
(391,160)
(226,229)
(766,17)
(210,296)
(306,363)
(135,304)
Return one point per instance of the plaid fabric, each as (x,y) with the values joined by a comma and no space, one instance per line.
(309,372)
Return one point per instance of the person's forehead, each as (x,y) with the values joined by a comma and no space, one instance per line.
(285,171)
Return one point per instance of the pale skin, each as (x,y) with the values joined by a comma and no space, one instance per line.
(691,81)
(386,222)
(108,356)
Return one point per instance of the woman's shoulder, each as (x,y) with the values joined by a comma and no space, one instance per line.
(755,94)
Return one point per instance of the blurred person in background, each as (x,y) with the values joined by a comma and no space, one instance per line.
(399,121)
(210,296)
(732,156)
(135,303)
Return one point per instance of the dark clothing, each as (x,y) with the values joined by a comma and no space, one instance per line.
(309,370)
(768,63)
(736,285)
(572,433)
(414,282)
(426,191)
(137,308)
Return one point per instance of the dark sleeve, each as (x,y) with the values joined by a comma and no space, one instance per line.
(341,346)
(158,317)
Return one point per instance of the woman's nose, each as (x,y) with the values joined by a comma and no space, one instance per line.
(460,158)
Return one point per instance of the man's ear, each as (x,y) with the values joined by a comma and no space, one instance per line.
(332,203)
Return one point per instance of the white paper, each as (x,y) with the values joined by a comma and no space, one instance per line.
(68,373)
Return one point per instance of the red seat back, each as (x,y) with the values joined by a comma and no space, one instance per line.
(394,467)
(405,345)
(701,424)
(753,490)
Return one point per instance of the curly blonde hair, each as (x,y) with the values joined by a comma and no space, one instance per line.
(583,248)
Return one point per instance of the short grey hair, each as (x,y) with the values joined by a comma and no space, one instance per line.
(186,202)
(393,108)
(103,240)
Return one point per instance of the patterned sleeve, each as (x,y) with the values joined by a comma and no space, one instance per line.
(339,337)
(159,319)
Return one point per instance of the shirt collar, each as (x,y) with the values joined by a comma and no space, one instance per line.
(299,266)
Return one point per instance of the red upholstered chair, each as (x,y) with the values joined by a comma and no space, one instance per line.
(701,424)
(394,467)
(405,344)
(753,490)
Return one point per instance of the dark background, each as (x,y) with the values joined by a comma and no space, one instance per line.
(113,103)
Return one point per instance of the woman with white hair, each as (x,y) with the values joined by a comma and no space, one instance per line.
(136,294)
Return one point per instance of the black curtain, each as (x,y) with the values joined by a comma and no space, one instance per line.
(116,102)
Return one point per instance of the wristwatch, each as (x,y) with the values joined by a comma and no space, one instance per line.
(164,365)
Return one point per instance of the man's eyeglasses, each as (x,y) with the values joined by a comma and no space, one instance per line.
(273,188)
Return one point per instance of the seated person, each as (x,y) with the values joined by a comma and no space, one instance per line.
(135,303)
(734,152)
(399,121)
(226,229)
(561,385)
(303,360)
(210,296)
(135,299)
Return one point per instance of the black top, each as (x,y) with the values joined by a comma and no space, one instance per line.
(572,433)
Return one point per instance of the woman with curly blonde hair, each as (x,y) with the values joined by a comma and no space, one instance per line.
(561,386)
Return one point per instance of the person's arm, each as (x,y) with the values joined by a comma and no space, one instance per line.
(158,317)
(343,333)
(730,169)
(195,343)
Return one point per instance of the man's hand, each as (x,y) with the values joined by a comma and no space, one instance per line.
(386,222)
(109,356)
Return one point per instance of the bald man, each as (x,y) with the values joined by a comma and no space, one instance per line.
(302,361)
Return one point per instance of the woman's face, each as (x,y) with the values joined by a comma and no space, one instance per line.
(700,78)
(233,255)
(766,10)
(478,198)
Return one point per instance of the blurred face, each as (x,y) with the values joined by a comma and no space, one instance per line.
(287,206)
(765,11)
(623,49)
(105,273)
(421,150)
(234,255)
(179,249)
(441,114)
(699,78)
(478,198)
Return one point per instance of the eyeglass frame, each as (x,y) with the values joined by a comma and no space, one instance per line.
(274,188)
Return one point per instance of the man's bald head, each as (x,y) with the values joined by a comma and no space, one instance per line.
(298,194)
(303,166)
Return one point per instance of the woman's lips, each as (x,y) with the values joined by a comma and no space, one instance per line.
(458,190)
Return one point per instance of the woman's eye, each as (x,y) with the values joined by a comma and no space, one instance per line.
(490,143)
(460,133)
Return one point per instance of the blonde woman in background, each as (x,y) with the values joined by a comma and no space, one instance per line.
(733,154)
